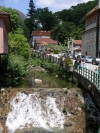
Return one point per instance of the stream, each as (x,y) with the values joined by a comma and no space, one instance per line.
(46,108)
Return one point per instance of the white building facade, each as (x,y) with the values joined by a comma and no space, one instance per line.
(36,35)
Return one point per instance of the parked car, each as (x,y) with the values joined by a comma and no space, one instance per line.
(96,61)
(88,59)
(47,52)
(80,57)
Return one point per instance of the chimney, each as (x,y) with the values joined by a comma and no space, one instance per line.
(98,4)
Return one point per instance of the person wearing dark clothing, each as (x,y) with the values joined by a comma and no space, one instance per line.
(77,63)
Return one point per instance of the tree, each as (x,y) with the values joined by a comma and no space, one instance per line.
(15,19)
(18,45)
(31,11)
(59,33)
(30,21)
(45,18)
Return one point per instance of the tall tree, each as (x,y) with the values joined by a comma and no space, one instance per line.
(31,13)
(45,18)
(31,9)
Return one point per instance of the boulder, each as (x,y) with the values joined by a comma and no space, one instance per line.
(38,81)
(1,129)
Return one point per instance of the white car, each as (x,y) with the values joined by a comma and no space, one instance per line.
(88,59)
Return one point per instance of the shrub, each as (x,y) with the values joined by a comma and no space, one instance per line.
(69,86)
(64,110)
(66,91)
(68,61)
(83,106)
(76,94)
(14,71)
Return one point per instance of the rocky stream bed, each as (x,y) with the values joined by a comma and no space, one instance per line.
(73,108)
(77,109)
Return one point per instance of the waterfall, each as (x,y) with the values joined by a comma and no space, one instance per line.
(30,110)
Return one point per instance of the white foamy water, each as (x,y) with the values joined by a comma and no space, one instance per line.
(31,110)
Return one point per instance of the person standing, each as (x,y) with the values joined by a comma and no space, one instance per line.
(96,70)
(83,64)
(99,69)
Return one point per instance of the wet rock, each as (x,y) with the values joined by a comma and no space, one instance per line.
(16,100)
(25,92)
(64,89)
(2,89)
(67,124)
(1,129)
(56,76)
(38,81)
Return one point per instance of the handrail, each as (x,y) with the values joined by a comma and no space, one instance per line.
(90,75)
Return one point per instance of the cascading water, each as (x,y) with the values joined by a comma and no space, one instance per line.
(31,110)
(92,110)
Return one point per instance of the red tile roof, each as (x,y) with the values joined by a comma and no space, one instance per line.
(92,11)
(46,40)
(2,12)
(41,33)
(44,43)
(78,42)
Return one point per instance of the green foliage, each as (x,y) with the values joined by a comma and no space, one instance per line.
(31,9)
(29,22)
(83,106)
(34,62)
(66,91)
(69,86)
(73,21)
(18,45)
(76,94)
(59,33)
(64,110)
(17,24)
(14,17)
(68,61)
(46,18)
(14,70)
(56,51)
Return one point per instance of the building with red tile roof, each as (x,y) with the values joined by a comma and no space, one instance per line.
(41,38)
(47,40)
(76,47)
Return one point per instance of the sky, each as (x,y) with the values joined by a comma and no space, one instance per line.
(53,5)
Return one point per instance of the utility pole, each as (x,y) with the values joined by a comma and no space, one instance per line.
(72,48)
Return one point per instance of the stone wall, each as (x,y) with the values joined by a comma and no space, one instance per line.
(89,86)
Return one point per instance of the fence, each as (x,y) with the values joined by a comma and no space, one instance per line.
(90,75)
